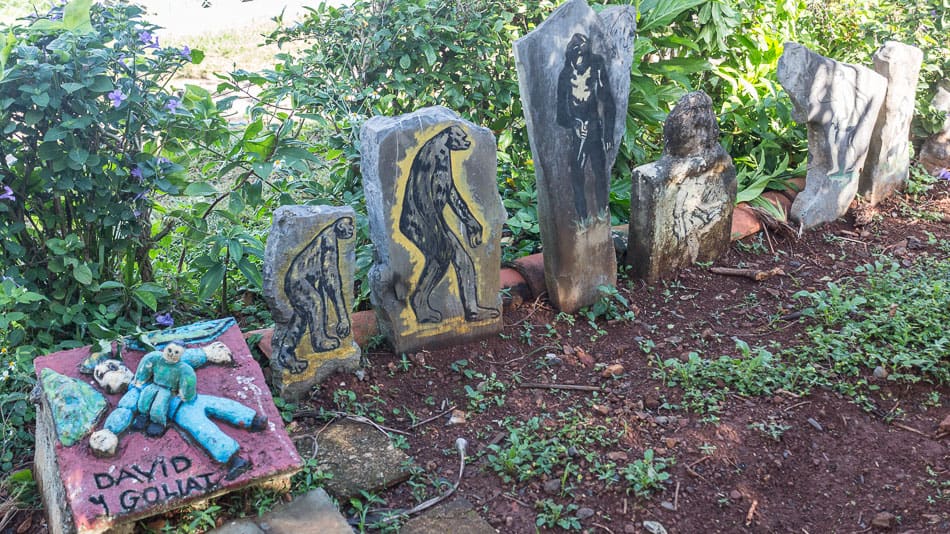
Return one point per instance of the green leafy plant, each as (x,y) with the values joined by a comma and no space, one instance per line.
(647,476)
(554,515)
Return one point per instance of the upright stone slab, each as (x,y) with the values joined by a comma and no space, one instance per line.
(308,283)
(574,75)
(888,164)
(839,104)
(221,432)
(935,151)
(681,206)
(435,216)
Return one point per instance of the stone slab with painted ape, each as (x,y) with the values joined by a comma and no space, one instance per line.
(309,265)
(127,434)
(435,218)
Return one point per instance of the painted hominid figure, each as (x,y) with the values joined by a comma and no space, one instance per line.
(585,105)
(431,187)
(313,285)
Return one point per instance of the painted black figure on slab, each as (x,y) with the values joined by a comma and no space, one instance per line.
(585,105)
(313,284)
(429,189)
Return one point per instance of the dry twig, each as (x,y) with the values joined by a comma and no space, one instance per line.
(748,516)
(752,274)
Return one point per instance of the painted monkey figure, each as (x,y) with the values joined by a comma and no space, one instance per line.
(313,284)
(430,188)
(585,105)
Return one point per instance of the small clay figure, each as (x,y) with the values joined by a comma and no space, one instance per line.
(165,391)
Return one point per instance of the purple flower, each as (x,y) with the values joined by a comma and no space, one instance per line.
(164,319)
(164,161)
(7,194)
(172,104)
(148,39)
(185,53)
(137,172)
(117,97)
(944,174)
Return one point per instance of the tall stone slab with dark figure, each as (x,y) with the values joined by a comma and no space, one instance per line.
(436,217)
(888,164)
(681,206)
(574,74)
(308,283)
(839,104)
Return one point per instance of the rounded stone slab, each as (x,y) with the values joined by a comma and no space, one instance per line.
(839,104)
(888,164)
(309,265)
(574,75)
(435,218)
(681,206)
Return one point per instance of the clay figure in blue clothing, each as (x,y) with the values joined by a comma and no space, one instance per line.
(163,391)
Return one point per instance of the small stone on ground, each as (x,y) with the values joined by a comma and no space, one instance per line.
(360,458)
(456,517)
(311,512)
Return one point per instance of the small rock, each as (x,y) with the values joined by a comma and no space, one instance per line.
(612,370)
(735,495)
(665,420)
(945,425)
(552,487)
(457,418)
(585,358)
(601,409)
(617,456)
(668,506)
(816,424)
(630,529)
(584,513)
(707,333)
(883,520)
(674,340)
(671,442)
(419,359)
(552,359)
(572,451)
(880,372)
(651,401)
(360,374)
(654,527)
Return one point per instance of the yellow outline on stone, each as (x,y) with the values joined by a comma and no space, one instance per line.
(458,324)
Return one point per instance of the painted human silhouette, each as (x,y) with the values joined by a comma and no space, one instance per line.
(313,285)
(430,188)
(585,105)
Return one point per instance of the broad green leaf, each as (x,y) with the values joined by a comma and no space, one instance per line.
(211,281)
(659,13)
(147,298)
(76,16)
(200,189)
(82,274)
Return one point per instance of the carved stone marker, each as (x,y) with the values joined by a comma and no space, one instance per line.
(888,163)
(435,216)
(935,152)
(681,206)
(839,103)
(196,422)
(308,284)
(574,74)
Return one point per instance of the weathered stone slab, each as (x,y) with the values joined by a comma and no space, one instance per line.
(935,151)
(681,206)
(312,512)
(839,104)
(436,217)
(455,517)
(888,164)
(309,265)
(222,432)
(360,458)
(574,75)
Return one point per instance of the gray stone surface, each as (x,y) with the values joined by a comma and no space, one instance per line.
(435,217)
(455,517)
(681,206)
(839,104)
(359,457)
(308,283)
(312,512)
(935,151)
(888,162)
(48,478)
(574,74)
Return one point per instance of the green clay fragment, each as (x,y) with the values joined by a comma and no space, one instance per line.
(75,406)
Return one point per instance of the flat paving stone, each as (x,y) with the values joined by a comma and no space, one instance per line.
(455,517)
(312,512)
(360,458)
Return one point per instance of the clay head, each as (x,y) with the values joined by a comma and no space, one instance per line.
(172,353)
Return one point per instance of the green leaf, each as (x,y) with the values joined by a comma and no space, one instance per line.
(211,281)
(100,84)
(11,41)
(404,61)
(111,284)
(41,100)
(660,13)
(146,298)
(197,56)
(76,16)
(82,274)
(200,189)
(251,272)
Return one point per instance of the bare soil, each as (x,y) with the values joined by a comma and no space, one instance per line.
(835,468)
